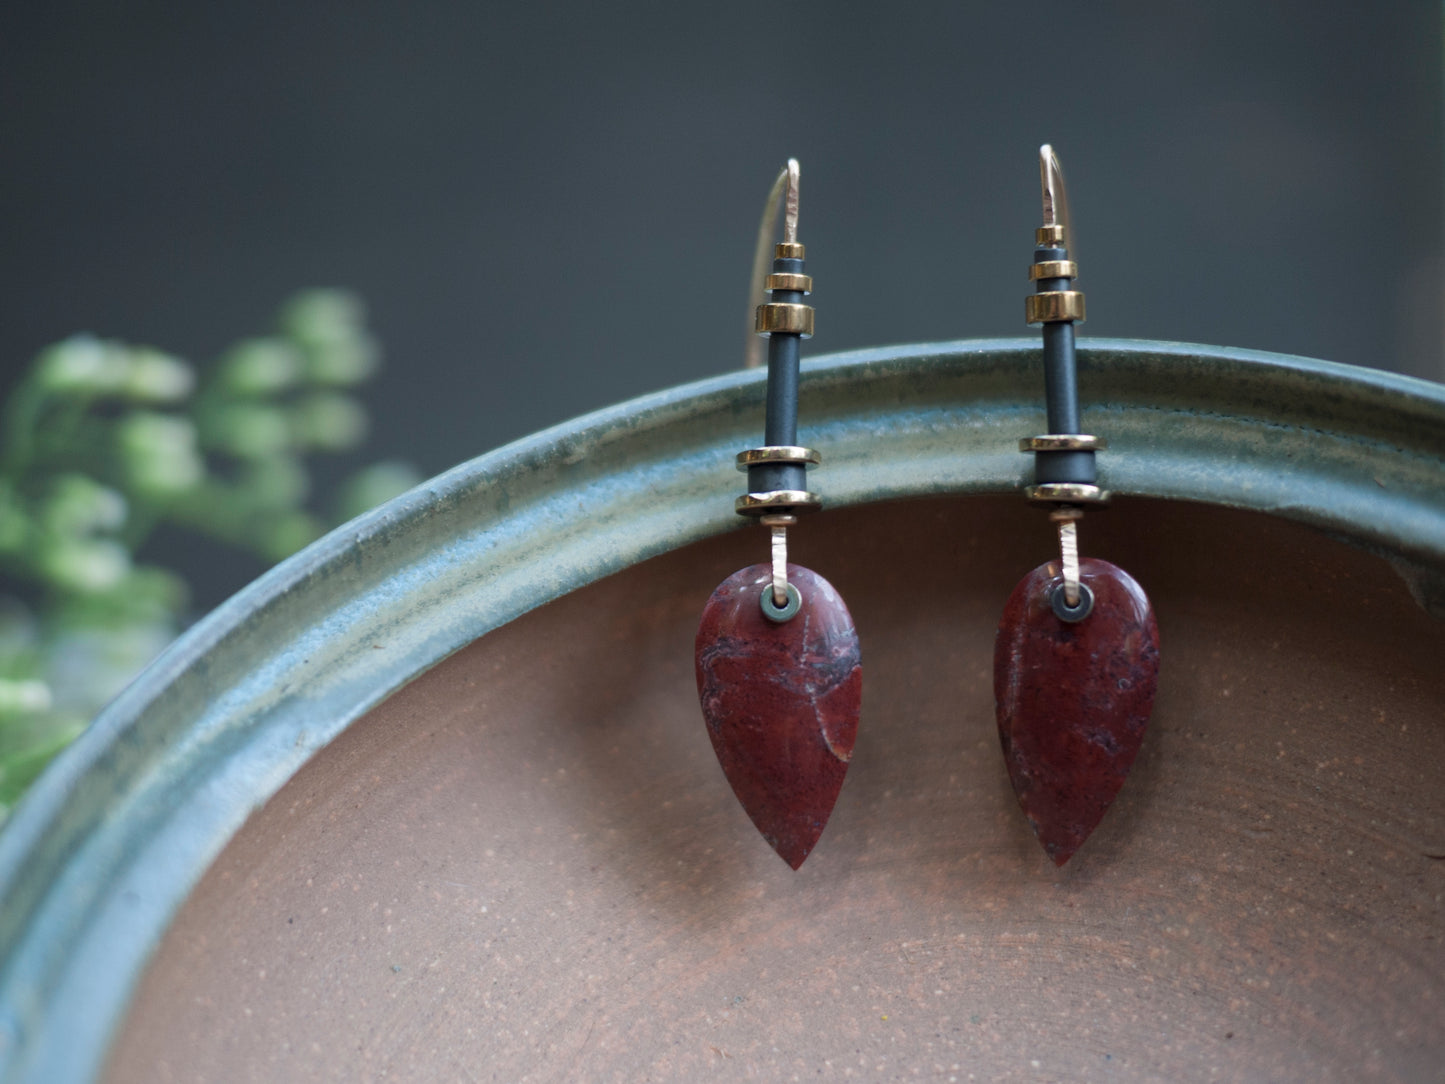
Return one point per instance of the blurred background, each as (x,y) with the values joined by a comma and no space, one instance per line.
(548,208)
(510,188)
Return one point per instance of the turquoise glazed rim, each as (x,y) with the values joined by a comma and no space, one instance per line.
(99,856)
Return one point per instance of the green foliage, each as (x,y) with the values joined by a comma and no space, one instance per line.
(102,443)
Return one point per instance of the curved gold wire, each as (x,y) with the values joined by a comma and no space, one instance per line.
(1056,196)
(784,194)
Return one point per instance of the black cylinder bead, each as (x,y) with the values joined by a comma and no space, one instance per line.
(1061,390)
(781,427)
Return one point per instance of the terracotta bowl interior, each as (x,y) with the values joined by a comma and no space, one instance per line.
(526,865)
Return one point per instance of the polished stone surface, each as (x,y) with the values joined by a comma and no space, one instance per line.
(1073,698)
(781,701)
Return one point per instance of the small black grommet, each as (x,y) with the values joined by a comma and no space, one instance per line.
(778,614)
(1072,614)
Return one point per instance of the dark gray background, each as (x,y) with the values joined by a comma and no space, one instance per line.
(550,208)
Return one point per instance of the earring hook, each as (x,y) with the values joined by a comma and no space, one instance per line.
(1055,196)
(783,194)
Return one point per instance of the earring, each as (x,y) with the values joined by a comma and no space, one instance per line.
(1076,661)
(777,656)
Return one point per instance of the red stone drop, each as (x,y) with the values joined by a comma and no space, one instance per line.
(781,702)
(1073,700)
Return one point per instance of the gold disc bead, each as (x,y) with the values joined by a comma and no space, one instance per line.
(777,500)
(1063,442)
(778,453)
(1054,306)
(1066,493)
(1053,269)
(788,319)
(782,281)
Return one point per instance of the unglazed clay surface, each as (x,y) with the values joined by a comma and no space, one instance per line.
(525,865)
(1073,698)
(781,701)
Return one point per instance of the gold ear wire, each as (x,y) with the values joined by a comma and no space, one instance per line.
(784,193)
(1055,228)
(760,666)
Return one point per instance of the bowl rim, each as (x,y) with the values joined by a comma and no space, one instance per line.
(99,856)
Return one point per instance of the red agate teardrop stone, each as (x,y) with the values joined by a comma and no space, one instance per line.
(1073,699)
(781,702)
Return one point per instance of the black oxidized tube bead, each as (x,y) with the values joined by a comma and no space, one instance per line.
(1061,386)
(778,472)
(782,411)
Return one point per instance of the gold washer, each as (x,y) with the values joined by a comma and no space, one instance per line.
(1062,442)
(1053,269)
(1054,306)
(778,453)
(779,500)
(1067,493)
(787,318)
(801,283)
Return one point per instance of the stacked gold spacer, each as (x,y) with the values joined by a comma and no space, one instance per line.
(779,500)
(786,317)
(1053,306)
(1065,492)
